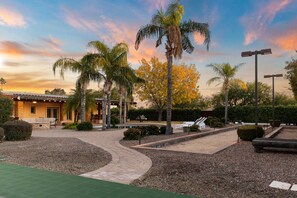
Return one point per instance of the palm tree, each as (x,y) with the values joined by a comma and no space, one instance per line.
(225,72)
(87,70)
(126,84)
(169,24)
(73,101)
(112,61)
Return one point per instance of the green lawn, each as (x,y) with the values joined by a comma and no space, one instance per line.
(24,182)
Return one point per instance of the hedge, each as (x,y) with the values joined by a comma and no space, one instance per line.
(177,114)
(5,109)
(286,114)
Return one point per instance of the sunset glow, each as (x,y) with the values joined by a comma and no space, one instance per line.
(36,33)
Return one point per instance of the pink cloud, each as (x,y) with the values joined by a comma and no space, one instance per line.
(9,17)
(257,22)
(53,43)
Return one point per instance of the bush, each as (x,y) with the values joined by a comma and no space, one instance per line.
(132,134)
(5,109)
(277,123)
(194,128)
(152,130)
(17,130)
(286,114)
(70,126)
(142,130)
(163,130)
(217,124)
(114,120)
(250,132)
(84,126)
(1,134)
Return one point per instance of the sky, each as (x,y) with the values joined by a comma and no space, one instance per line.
(35,33)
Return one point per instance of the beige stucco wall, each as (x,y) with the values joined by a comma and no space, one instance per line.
(24,109)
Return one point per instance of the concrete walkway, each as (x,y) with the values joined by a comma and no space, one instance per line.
(126,165)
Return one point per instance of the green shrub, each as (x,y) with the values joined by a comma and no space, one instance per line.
(114,120)
(17,130)
(163,130)
(132,134)
(115,111)
(70,126)
(250,132)
(1,134)
(152,130)
(142,129)
(84,126)
(5,109)
(286,114)
(216,124)
(277,123)
(194,128)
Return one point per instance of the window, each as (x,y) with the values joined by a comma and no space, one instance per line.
(69,115)
(33,110)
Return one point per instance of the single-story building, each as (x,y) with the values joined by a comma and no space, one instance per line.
(33,105)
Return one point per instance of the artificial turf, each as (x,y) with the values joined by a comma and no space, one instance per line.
(25,182)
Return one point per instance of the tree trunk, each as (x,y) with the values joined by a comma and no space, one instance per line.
(226,104)
(160,111)
(108,110)
(169,92)
(125,107)
(83,103)
(121,105)
(104,112)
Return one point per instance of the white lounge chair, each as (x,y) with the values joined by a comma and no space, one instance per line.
(188,124)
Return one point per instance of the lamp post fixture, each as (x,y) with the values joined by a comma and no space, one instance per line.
(251,53)
(272,76)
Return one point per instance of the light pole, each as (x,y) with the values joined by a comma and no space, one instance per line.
(250,53)
(272,76)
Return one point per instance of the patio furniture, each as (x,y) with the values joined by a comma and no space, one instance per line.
(141,118)
(41,123)
(199,122)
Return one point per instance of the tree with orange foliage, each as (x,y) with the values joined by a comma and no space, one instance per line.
(154,90)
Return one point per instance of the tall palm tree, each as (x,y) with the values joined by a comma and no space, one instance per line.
(87,70)
(169,24)
(111,61)
(225,72)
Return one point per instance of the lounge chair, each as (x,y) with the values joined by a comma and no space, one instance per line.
(199,122)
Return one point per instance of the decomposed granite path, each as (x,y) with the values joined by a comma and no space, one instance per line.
(126,165)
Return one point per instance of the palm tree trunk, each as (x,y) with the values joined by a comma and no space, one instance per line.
(108,110)
(104,112)
(169,93)
(125,107)
(83,103)
(121,104)
(226,105)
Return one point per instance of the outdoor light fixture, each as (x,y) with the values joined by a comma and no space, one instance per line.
(34,102)
(250,53)
(272,76)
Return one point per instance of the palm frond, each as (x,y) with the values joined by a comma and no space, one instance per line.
(66,64)
(186,44)
(214,79)
(159,18)
(192,26)
(174,13)
(147,31)
(101,47)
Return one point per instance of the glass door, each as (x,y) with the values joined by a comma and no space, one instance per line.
(52,113)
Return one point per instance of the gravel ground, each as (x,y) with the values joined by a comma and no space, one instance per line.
(235,172)
(66,155)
